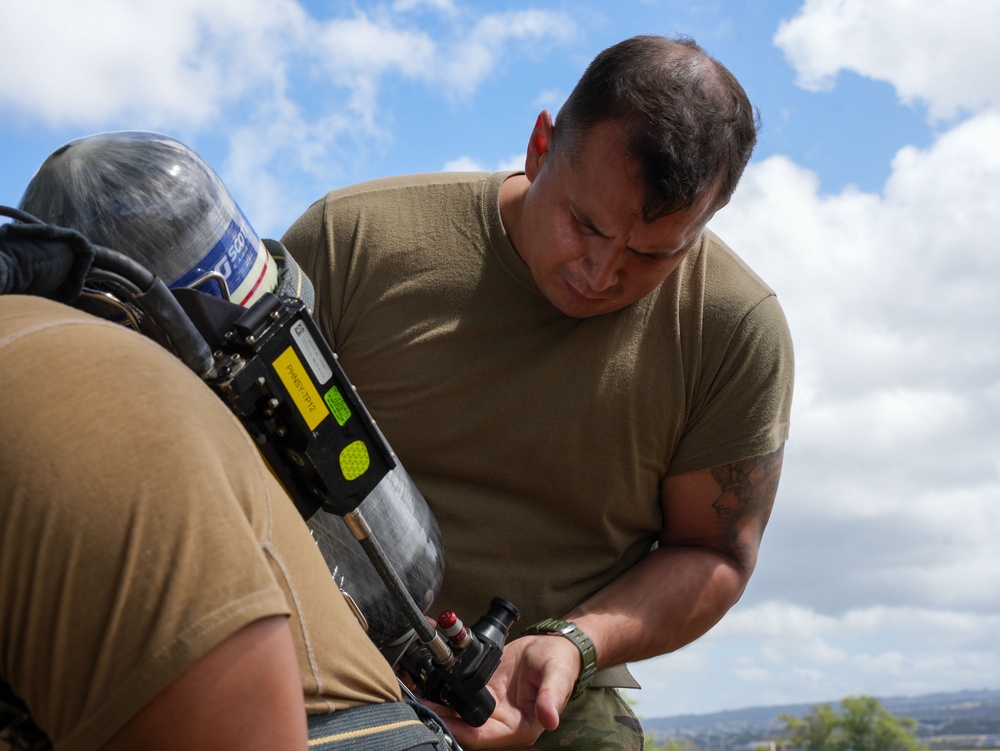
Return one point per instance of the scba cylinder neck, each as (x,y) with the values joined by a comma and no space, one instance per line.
(237,267)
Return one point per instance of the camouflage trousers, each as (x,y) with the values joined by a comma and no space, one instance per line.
(597,720)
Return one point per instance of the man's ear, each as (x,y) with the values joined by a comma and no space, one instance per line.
(539,144)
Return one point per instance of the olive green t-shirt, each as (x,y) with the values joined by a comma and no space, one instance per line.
(140,528)
(539,440)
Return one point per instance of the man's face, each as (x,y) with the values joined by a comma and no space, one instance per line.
(581,230)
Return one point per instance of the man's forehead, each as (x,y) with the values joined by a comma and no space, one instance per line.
(604,146)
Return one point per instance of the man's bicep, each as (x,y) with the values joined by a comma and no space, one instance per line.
(724,508)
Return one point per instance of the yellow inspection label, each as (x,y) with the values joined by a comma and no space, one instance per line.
(300,386)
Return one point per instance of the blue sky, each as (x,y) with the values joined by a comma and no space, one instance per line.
(871,206)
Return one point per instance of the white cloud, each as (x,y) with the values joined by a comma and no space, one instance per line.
(477,53)
(250,72)
(353,58)
(896,290)
(514,163)
(884,532)
(463,164)
(777,653)
(443,6)
(357,52)
(942,54)
(550,99)
(163,61)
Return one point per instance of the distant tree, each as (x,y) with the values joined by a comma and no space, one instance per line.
(862,724)
(868,726)
(817,731)
(670,744)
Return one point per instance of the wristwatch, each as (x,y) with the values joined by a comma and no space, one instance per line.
(587,652)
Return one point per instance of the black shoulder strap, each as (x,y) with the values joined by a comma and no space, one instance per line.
(17,730)
(42,259)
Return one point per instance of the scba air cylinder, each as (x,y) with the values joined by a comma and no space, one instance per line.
(152,198)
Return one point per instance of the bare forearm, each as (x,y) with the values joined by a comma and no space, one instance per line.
(669,599)
(713,520)
(713,523)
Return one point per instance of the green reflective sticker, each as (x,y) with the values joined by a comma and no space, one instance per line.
(354,460)
(338,407)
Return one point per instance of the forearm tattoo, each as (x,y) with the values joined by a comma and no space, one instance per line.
(747,490)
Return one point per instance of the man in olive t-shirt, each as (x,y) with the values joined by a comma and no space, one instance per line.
(591,390)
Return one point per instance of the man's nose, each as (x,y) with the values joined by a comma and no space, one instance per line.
(602,267)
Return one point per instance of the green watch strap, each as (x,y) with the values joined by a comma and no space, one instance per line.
(588,653)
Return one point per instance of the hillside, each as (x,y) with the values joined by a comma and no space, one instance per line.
(968,719)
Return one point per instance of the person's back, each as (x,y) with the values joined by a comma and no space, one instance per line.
(158,587)
(142,533)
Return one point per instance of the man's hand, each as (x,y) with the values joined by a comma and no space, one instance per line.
(531,686)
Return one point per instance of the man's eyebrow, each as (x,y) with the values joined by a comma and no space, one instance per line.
(584,218)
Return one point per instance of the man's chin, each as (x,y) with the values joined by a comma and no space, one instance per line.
(571,302)
(576,308)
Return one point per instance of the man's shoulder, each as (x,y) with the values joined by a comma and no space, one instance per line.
(720,292)
(728,269)
(428,182)
(389,216)
(21,315)
(392,214)
(36,333)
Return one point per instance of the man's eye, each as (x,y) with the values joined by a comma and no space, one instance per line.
(651,257)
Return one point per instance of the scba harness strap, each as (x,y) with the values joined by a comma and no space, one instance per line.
(41,259)
(392,726)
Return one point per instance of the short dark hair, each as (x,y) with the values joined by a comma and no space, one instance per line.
(687,119)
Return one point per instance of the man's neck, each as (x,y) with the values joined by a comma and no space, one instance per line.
(511,200)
